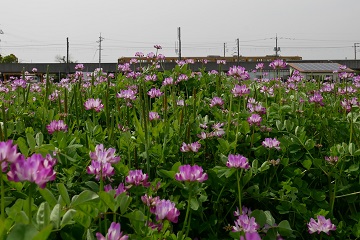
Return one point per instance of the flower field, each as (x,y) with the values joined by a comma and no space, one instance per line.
(153,154)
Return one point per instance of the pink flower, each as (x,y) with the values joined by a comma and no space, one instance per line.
(137,177)
(166,209)
(271,143)
(114,233)
(259,66)
(251,236)
(150,202)
(79,66)
(278,63)
(118,190)
(35,169)
(216,101)
(168,81)
(191,174)
(93,104)
(153,116)
(322,225)
(152,78)
(127,94)
(191,147)
(246,224)
(104,155)
(8,154)
(100,169)
(237,161)
(239,91)
(254,119)
(154,92)
(56,126)
(238,72)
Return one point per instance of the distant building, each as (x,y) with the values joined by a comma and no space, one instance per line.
(313,70)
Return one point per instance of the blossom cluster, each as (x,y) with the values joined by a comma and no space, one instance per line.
(101,161)
(36,168)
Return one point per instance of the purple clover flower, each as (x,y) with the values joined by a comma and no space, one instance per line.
(114,233)
(246,224)
(278,63)
(137,177)
(254,119)
(321,225)
(104,155)
(150,202)
(154,92)
(239,91)
(239,73)
(237,161)
(127,94)
(153,116)
(100,169)
(216,101)
(271,143)
(56,126)
(168,81)
(191,174)
(35,168)
(118,190)
(8,154)
(93,104)
(191,147)
(165,209)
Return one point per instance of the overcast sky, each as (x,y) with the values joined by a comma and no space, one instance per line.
(36,30)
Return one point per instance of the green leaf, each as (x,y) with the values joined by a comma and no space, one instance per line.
(309,144)
(136,215)
(22,232)
(260,217)
(83,219)
(22,146)
(30,140)
(43,215)
(279,125)
(269,218)
(352,149)
(55,216)
(284,228)
(90,235)
(124,201)
(108,199)
(307,164)
(63,193)
(194,204)
(39,137)
(44,233)
(83,197)
(48,196)
(67,218)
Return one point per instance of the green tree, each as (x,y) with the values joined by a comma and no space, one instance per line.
(11,58)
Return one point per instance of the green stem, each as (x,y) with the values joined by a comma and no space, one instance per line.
(187,221)
(2,196)
(31,188)
(229,117)
(238,177)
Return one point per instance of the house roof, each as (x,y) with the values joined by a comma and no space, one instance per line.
(315,67)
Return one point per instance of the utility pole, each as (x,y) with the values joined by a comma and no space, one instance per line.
(276,48)
(1,32)
(179,36)
(100,40)
(224,48)
(67,55)
(355,45)
(238,50)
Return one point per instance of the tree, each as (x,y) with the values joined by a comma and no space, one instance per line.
(62,59)
(11,58)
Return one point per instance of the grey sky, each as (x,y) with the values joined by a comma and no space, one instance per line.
(36,30)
